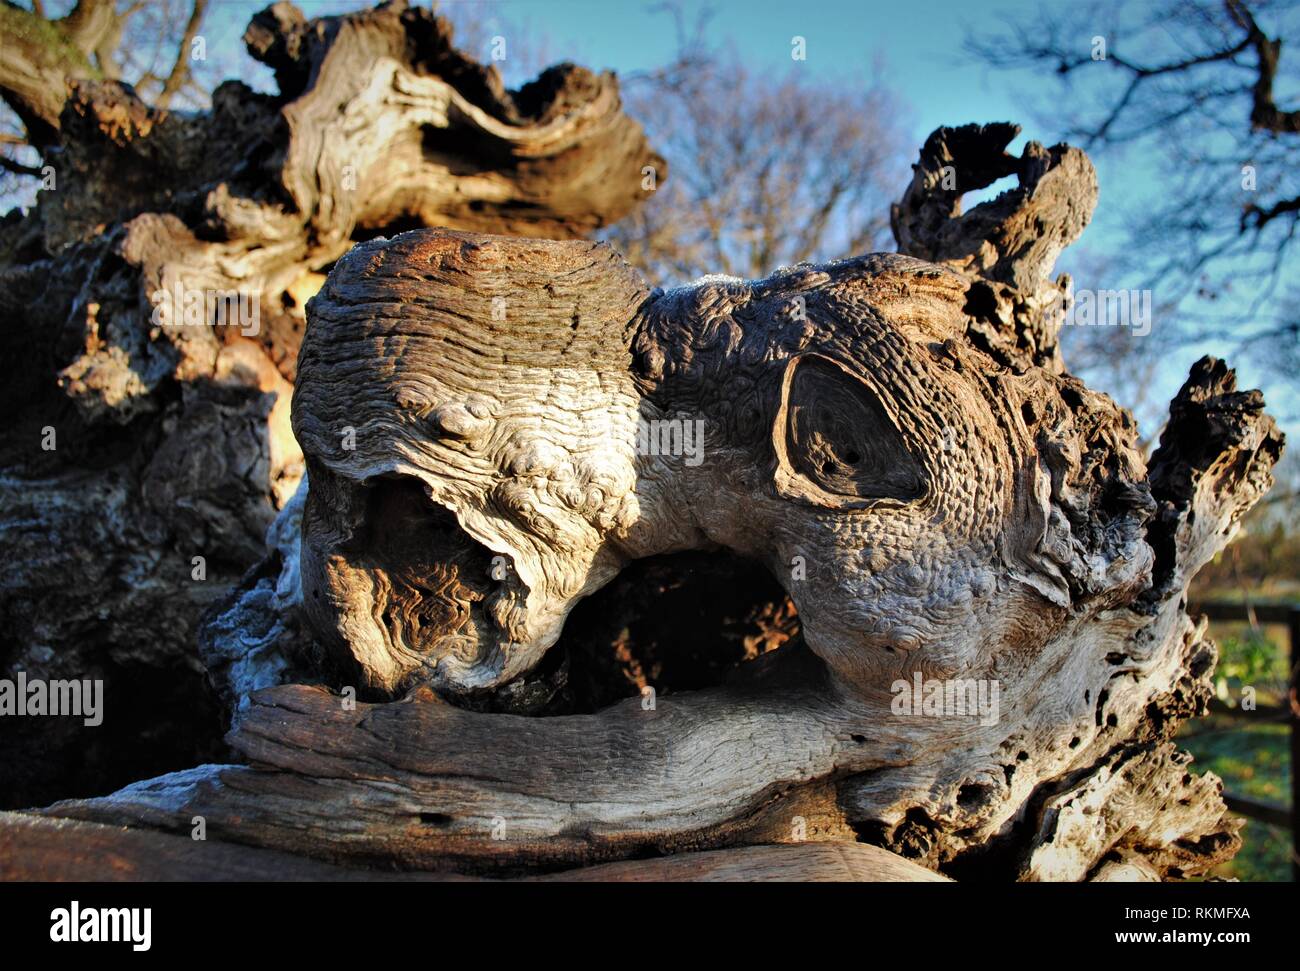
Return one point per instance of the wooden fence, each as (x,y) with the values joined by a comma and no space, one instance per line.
(1287,712)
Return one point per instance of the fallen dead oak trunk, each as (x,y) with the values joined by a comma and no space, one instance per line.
(155,297)
(894,438)
(38,849)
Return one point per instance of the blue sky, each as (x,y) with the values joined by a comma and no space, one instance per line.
(915,48)
(912,43)
(915,45)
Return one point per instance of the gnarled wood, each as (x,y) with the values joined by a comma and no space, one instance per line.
(156,298)
(495,476)
(33,848)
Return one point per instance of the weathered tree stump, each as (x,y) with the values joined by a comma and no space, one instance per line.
(155,301)
(894,438)
(34,848)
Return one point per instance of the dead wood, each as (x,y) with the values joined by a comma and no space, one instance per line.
(37,849)
(155,299)
(895,439)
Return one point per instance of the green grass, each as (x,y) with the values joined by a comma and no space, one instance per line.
(1253,760)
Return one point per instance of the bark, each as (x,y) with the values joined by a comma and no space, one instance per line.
(893,437)
(32,848)
(39,58)
(156,299)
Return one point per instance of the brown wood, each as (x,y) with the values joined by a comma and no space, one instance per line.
(36,849)
(895,438)
(493,478)
(808,863)
(172,434)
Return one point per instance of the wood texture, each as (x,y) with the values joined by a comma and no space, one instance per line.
(495,477)
(172,429)
(36,849)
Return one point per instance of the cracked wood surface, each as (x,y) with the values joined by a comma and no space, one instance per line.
(32,848)
(172,428)
(1031,544)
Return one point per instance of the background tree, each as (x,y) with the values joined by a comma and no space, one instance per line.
(150,45)
(1203,87)
(768,171)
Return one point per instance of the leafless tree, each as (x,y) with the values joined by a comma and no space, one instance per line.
(47,43)
(1199,84)
(766,171)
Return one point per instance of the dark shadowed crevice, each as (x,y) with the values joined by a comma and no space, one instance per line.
(673,623)
(155,720)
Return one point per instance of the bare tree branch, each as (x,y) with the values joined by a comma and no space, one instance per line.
(1264,113)
(17,167)
(1194,85)
(180,72)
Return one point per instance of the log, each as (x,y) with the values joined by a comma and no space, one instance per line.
(831,862)
(36,849)
(990,579)
(156,297)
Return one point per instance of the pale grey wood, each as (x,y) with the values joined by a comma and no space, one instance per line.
(173,437)
(999,523)
(37,849)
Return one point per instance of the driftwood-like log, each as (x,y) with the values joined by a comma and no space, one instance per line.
(895,439)
(35,848)
(155,301)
